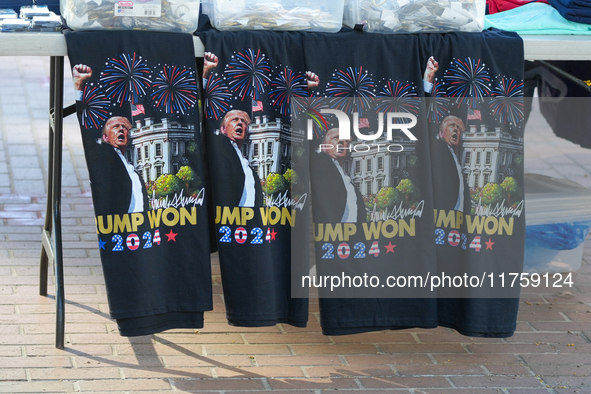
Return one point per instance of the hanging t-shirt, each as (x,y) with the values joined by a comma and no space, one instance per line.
(249,79)
(138,113)
(479,81)
(392,230)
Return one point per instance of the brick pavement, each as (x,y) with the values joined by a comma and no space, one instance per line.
(549,353)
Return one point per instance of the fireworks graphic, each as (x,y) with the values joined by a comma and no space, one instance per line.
(469,79)
(217,97)
(397,96)
(248,73)
(125,78)
(352,89)
(95,107)
(507,103)
(174,89)
(284,85)
(437,104)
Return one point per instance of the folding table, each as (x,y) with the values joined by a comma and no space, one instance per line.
(536,47)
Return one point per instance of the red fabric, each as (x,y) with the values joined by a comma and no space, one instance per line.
(495,6)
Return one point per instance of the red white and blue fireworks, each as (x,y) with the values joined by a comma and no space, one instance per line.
(125,78)
(438,103)
(468,78)
(217,97)
(248,73)
(95,107)
(285,85)
(506,104)
(174,89)
(351,89)
(398,96)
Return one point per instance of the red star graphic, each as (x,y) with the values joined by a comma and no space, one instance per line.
(171,236)
(489,244)
(273,234)
(390,247)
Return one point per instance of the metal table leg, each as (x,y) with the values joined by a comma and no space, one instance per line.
(53,250)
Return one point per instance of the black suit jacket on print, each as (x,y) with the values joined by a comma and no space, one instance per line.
(446,183)
(227,175)
(110,183)
(329,195)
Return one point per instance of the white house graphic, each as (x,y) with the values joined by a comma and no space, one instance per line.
(269,146)
(159,148)
(487,157)
(374,168)
(488,154)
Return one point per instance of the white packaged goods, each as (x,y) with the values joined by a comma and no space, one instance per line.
(52,22)
(310,15)
(410,16)
(7,13)
(557,217)
(28,12)
(158,15)
(9,25)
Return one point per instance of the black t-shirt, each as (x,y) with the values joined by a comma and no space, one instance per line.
(255,72)
(149,198)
